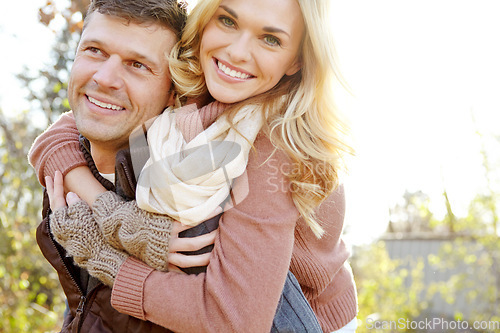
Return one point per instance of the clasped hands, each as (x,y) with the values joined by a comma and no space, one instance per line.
(100,238)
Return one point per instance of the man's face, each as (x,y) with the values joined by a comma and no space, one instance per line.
(120,78)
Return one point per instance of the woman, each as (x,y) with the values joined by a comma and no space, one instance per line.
(274,60)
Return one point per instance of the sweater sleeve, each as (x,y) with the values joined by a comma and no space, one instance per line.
(57,148)
(248,266)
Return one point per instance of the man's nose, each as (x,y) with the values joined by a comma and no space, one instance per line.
(110,73)
(240,48)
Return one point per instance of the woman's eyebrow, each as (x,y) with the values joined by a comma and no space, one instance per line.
(266,29)
(275,30)
(229,10)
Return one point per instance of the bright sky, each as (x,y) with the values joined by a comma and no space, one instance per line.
(418,70)
(24,42)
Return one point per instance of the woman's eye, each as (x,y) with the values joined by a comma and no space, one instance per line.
(271,40)
(226,21)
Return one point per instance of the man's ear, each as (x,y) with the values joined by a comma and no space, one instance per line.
(294,68)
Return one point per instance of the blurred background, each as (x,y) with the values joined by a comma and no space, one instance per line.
(422,190)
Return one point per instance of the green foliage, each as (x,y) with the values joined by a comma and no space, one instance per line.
(387,289)
(476,247)
(31,299)
(469,260)
(478,280)
(30,295)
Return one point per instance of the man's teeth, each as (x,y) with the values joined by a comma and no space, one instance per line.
(104,105)
(232,73)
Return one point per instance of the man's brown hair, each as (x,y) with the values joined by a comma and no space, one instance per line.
(168,13)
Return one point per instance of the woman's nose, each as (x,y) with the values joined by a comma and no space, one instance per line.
(239,49)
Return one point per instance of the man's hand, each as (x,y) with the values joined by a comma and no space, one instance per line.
(75,229)
(176,260)
(55,190)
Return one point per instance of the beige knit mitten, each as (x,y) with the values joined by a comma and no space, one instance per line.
(76,230)
(140,233)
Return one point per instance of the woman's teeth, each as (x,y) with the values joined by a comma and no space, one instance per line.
(232,72)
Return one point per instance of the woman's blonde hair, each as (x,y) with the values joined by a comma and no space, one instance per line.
(302,118)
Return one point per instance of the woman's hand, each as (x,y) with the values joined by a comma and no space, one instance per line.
(187,244)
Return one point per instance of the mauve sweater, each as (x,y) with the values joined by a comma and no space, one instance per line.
(259,240)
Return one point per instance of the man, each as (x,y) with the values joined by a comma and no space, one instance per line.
(119,80)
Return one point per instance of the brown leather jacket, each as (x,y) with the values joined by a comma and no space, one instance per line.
(90,309)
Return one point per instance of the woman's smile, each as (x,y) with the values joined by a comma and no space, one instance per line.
(226,70)
(246,48)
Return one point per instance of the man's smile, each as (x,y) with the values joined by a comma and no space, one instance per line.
(104,105)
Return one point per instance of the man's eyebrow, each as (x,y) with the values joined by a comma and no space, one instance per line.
(130,54)
(266,29)
(142,57)
(90,41)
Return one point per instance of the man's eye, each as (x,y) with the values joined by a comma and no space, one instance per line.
(94,50)
(272,40)
(138,65)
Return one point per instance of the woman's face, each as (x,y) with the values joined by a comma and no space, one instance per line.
(249,45)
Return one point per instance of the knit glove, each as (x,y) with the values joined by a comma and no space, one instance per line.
(76,230)
(140,233)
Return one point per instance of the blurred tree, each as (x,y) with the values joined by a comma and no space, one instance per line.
(477,246)
(411,214)
(469,258)
(31,299)
(51,99)
(387,289)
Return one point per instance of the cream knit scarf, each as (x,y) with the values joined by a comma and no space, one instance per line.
(191,169)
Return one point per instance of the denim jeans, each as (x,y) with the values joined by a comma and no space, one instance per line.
(294,314)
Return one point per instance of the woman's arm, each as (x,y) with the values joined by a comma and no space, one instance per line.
(57,149)
(247,269)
